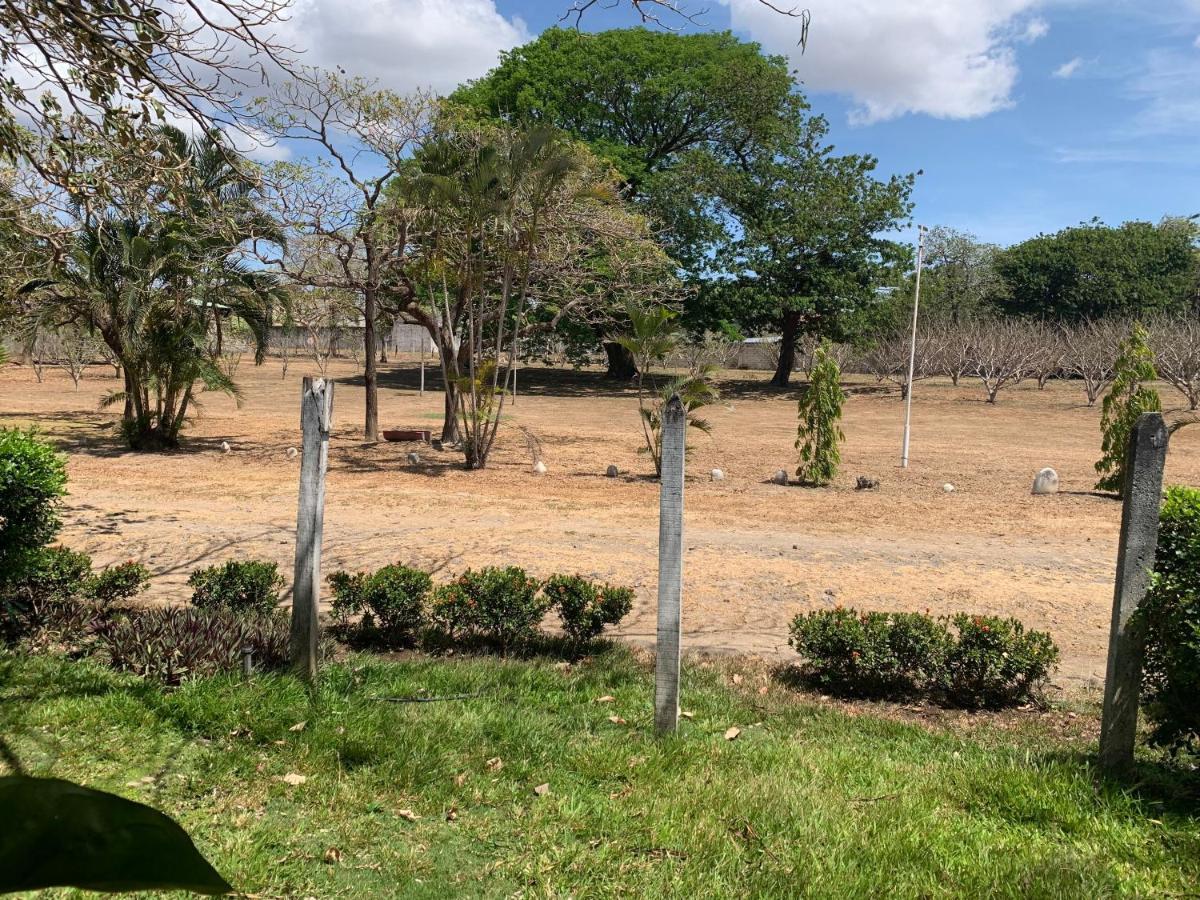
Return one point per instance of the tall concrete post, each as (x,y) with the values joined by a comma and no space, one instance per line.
(1146,457)
(316,413)
(670,567)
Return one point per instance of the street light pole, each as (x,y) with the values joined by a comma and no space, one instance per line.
(912,353)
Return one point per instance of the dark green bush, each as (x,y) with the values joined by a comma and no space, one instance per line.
(240,586)
(1170,620)
(500,605)
(585,606)
(983,661)
(33,478)
(174,644)
(384,609)
(995,662)
(113,584)
(871,654)
(48,575)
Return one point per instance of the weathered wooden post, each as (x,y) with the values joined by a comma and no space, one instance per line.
(1146,456)
(670,567)
(316,412)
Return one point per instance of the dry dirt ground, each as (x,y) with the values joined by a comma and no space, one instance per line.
(757,553)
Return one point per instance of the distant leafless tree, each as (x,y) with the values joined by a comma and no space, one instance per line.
(1049,352)
(888,359)
(1176,345)
(708,352)
(41,353)
(1005,353)
(74,350)
(1091,352)
(955,350)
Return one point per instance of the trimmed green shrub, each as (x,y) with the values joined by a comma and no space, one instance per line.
(240,586)
(585,606)
(114,584)
(174,644)
(500,605)
(984,661)
(1170,620)
(384,609)
(872,654)
(995,662)
(33,478)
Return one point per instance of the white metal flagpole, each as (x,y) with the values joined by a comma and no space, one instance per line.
(912,353)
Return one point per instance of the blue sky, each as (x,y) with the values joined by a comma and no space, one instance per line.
(1101,116)
(1026,116)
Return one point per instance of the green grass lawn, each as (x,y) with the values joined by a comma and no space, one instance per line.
(399,799)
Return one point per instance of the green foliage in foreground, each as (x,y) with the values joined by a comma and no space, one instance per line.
(1131,395)
(399,799)
(1170,616)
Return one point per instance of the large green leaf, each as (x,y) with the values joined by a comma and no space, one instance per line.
(59,834)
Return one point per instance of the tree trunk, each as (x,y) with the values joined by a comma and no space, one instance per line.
(370,375)
(787,350)
(620,362)
(450,413)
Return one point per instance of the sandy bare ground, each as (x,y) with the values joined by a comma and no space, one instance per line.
(757,553)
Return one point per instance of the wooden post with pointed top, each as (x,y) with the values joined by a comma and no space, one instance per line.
(316,413)
(1146,457)
(670,567)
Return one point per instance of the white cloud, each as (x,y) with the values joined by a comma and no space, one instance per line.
(1069,68)
(953,59)
(1166,85)
(405,44)
(1035,30)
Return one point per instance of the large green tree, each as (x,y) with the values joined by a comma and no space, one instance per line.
(646,101)
(960,278)
(803,247)
(1091,271)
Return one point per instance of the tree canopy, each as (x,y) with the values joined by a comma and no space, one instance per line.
(802,246)
(1095,270)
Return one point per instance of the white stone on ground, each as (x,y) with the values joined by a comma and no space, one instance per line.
(717,475)
(1046,482)
(539,468)
(948,488)
(292,452)
(414,459)
(225,448)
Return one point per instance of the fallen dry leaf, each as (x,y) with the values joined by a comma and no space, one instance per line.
(495,764)
(607,698)
(294,779)
(452,814)
(686,713)
(333,856)
(460,779)
(542,789)
(299,726)
(617,720)
(732,733)
(408,814)
(763,689)
(737,679)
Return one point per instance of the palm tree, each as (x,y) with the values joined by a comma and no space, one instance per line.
(154,286)
(652,337)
